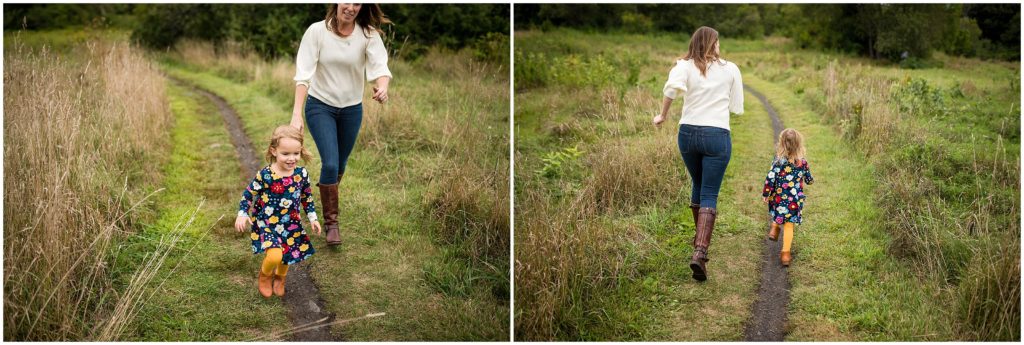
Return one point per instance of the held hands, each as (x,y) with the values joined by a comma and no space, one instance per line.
(316,226)
(240,223)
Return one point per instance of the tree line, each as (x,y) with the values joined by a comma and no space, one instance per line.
(883,31)
(272,30)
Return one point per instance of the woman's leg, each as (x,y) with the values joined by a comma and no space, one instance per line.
(692,158)
(718,152)
(350,119)
(320,119)
(322,122)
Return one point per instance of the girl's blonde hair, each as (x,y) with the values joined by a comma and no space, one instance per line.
(702,49)
(790,145)
(287,131)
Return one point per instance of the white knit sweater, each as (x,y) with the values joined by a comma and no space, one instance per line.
(335,68)
(707,101)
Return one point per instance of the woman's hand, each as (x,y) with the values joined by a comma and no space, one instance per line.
(380,91)
(658,119)
(297,121)
(380,94)
(240,223)
(316,226)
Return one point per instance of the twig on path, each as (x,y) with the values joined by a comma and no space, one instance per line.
(312,325)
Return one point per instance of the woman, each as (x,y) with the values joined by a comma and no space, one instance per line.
(711,88)
(334,57)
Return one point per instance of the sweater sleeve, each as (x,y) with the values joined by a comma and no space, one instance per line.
(736,97)
(376,58)
(308,55)
(676,84)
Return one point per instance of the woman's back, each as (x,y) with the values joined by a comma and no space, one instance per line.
(707,99)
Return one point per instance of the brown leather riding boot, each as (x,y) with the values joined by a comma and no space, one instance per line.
(329,198)
(701,242)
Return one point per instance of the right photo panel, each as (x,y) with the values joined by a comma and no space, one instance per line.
(767,172)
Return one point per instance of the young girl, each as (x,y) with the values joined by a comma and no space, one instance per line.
(276,194)
(783,188)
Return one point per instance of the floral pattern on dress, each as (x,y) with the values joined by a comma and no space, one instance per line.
(784,188)
(273,203)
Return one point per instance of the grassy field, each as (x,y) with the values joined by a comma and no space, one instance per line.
(602,246)
(424,211)
(80,121)
(419,245)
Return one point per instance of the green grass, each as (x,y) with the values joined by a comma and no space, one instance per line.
(850,279)
(390,261)
(211,294)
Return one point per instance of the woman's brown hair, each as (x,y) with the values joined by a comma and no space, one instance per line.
(287,131)
(370,17)
(702,49)
(790,146)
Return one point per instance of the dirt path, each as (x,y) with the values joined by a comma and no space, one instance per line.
(768,317)
(305,307)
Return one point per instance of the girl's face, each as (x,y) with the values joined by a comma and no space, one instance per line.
(347,12)
(287,153)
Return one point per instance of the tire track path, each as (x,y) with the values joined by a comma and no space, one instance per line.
(307,313)
(768,317)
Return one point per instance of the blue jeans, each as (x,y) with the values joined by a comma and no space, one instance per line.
(334,130)
(706,152)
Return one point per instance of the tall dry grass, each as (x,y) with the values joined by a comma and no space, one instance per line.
(947,237)
(81,132)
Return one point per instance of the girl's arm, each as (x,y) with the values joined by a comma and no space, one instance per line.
(769,183)
(307,198)
(807,176)
(307,202)
(248,195)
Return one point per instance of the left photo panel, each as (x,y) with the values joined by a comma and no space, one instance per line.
(256,172)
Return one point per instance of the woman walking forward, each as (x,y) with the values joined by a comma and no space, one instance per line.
(711,88)
(336,57)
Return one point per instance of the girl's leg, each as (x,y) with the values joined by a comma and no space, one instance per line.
(787,242)
(279,275)
(323,127)
(265,279)
(350,119)
(787,237)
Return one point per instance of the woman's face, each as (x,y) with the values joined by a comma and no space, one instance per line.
(347,12)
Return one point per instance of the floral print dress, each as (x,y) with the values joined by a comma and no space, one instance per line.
(275,204)
(784,188)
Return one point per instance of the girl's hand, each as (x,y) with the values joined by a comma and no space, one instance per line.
(380,94)
(658,119)
(316,227)
(240,223)
(765,199)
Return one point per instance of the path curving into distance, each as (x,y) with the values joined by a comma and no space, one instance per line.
(307,313)
(768,318)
